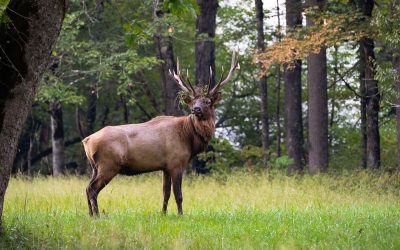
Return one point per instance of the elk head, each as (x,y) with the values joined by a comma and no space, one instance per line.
(202,99)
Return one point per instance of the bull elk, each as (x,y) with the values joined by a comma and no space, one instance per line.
(164,143)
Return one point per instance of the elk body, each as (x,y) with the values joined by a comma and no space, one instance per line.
(164,143)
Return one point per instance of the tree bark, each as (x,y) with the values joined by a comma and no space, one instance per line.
(57,137)
(262,82)
(317,104)
(372,96)
(363,110)
(205,45)
(91,111)
(166,54)
(292,95)
(372,99)
(278,90)
(25,52)
(206,24)
(396,67)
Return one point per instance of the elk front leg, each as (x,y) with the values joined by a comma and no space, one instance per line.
(177,187)
(166,190)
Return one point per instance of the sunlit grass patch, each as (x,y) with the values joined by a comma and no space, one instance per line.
(358,210)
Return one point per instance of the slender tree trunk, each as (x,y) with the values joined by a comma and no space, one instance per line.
(262,82)
(91,111)
(26,48)
(396,67)
(333,96)
(278,90)
(57,136)
(373,98)
(166,54)
(363,110)
(292,92)
(317,104)
(205,45)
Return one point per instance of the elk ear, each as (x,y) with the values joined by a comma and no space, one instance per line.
(216,98)
(187,100)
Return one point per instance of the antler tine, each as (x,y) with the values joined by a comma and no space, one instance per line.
(209,80)
(177,76)
(189,83)
(234,65)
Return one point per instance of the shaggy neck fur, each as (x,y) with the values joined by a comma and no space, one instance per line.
(200,132)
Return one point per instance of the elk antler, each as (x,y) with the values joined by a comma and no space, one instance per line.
(234,65)
(177,76)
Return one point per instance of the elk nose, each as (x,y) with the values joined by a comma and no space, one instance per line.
(196,110)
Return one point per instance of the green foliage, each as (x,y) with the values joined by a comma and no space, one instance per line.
(3,6)
(58,92)
(283,162)
(182,7)
(386,22)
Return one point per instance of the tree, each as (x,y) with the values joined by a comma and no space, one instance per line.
(205,45)
(292,94)
(26,41)
(165,53)
(317,103)
(205,50)
(369,92)
(262,81)
(278,90)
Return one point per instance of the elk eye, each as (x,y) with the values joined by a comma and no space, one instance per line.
(208,102)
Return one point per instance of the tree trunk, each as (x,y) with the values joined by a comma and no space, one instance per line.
(317,104)
(206,24)
(396,67)
(372,94)
(166,54)
(26,48)
(292,95)
(91,111)
(57,137)
(205,45)
(363,110)
(262,82)
(278,90)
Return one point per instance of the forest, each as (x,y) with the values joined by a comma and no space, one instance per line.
(307,130)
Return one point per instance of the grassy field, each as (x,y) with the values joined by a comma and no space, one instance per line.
(240,211)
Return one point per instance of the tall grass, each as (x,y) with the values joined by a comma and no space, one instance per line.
(242,210)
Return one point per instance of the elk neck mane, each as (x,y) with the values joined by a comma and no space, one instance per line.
(199,132)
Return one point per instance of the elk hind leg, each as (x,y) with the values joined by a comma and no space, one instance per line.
(94,188)
(94,174)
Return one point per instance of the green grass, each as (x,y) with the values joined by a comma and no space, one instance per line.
(239,211)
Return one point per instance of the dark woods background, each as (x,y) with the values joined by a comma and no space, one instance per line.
(334,109)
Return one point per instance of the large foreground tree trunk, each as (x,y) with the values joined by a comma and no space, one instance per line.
(262,82)
(317,104)
(26,42)
(292,92)
(57,138)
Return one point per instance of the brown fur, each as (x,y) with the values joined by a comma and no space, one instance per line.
(164,143)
